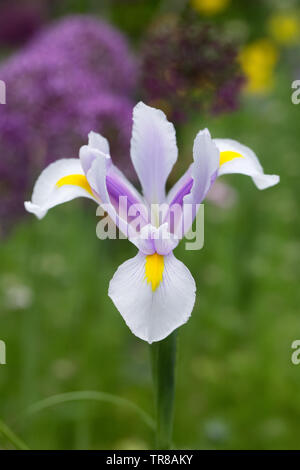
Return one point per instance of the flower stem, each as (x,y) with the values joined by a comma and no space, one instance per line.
(163,358)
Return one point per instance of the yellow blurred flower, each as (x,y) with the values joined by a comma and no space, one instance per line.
(285,27)
(209,7)
(258,61)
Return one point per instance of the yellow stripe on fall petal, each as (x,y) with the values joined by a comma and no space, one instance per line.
(75,180)
(154,268)
(229,155)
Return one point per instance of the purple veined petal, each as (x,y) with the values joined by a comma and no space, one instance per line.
(124,197)
(96,177)
(122,193)
(104,181)
(118,185)
(153,150)
(193,186)
(181,188)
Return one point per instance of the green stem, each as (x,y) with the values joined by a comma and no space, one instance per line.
(163,358)
(12,437)
(89,395)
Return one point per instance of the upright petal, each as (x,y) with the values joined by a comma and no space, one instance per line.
(206,163)
(193,186)
(97,144)
(154,294)
(237,158)
(60,182)
(153,150)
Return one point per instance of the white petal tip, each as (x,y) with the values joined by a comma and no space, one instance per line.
(35,209)
(141,104)
(92,134)
(98,142)
(147,109)
(266,181)
(205,132)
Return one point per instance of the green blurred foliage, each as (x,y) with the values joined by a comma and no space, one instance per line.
(236,385)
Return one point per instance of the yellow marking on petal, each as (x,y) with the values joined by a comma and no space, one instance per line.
(154,268)
(75,180)
(228,155)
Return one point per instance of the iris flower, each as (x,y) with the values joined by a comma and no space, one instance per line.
(154,291)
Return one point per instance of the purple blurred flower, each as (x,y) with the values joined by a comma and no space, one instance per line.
(188,66)
(76,76)
(19,20)
(222,195)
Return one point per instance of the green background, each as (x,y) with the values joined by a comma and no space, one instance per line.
(236,384)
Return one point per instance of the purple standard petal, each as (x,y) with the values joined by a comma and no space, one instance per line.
(153,150)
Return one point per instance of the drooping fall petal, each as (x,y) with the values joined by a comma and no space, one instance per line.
(154,296)
(60,182)
(237,158)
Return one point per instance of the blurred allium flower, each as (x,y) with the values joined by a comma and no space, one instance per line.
(74,77)
(285,27)
(209,7)
(20,20)
(222,195)
(188,67)
(258,61)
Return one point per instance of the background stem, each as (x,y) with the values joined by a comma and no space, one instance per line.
(163,358)
(7,433)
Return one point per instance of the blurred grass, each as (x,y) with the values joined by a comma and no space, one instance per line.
(237,387)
